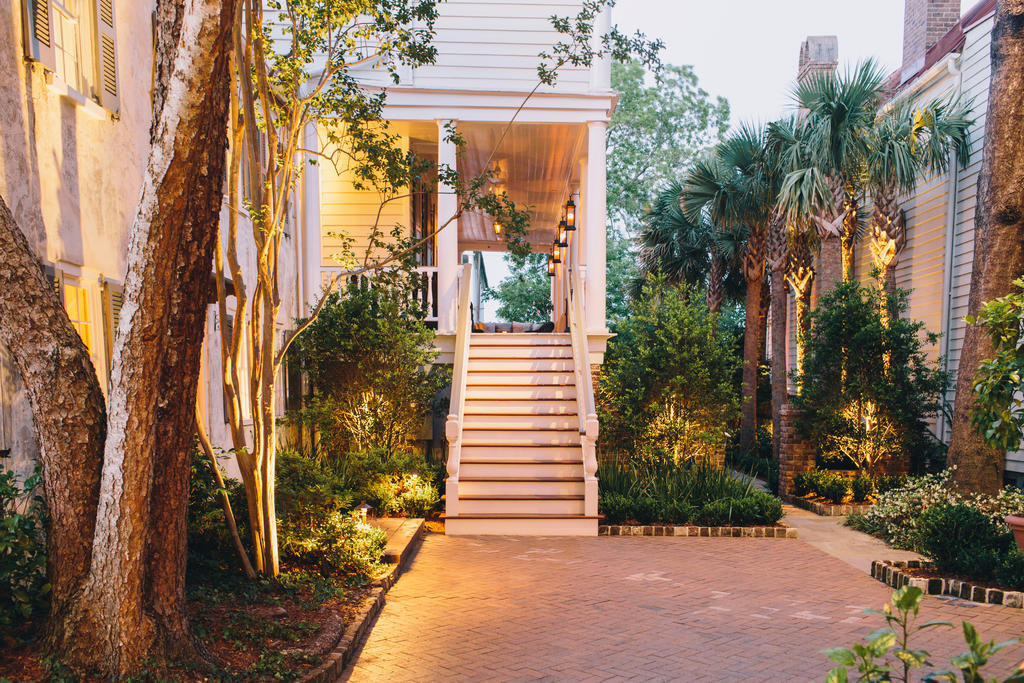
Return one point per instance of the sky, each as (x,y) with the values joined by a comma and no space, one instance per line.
(747,50)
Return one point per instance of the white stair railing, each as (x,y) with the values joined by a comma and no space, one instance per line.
(586,408)
(457,403)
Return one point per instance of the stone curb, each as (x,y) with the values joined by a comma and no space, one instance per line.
(831,509)
(341,655)
(703,531)
(889,573)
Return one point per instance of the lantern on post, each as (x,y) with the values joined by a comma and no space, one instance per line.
(570,214)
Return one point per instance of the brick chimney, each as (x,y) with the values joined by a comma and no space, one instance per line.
(924,23)
(817,54)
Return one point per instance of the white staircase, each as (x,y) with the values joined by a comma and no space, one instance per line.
(517,447)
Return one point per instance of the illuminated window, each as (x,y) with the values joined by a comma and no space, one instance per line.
(76,302)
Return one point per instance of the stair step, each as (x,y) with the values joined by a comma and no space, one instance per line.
(520,351)
(520,453)
(503,364)
(528,524)
(521,422)
(492,437)
(518,339)
(519,468)
(505,379)
(521,486)
(520,393)
(512,505)
(476,406)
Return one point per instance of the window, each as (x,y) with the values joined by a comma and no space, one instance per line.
(76,40)
(76,303)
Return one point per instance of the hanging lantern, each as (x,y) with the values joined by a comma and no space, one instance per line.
(497,228)
(551,267)
(563,234)
(570,215)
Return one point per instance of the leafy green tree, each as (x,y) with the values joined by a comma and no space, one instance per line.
(667,377)
(525,295)
(661,124)
(998,410)
(867,386)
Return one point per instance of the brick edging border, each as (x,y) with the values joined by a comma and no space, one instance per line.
(831,509)
(702,531)
(341,655)
(889,573)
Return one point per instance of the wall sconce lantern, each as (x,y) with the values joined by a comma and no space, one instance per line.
(556,253)
(497,228)
(570,214)
(551,266)
(563,234)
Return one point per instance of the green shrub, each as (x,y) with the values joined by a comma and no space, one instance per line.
(666,382)
(408,495)
(805,483)
(756,509)
(868,389)
(337,545)
(1010,570)
(307,490)
(369,358)
(962,540)
(24,591)
(861,487)
(677,512)
(616,507)
(210,546)
(888,482)
(645,510)
(834,487)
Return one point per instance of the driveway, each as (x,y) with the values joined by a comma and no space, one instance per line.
(647,608)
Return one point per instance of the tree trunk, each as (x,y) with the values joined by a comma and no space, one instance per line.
(716,283)
(67,408)
(779,341)
(751,355)
(998,243)
(132,606)
(830,265)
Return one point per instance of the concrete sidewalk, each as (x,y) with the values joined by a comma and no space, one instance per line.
(828,535)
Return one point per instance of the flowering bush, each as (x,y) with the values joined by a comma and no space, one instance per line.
(896,515)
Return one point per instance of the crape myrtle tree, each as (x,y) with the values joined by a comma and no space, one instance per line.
(296,64)
(998,247)
(116,475)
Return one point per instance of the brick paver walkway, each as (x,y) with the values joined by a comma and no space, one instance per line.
(649,608)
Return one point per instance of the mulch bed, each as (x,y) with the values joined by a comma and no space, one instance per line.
(924,576)
(275,637)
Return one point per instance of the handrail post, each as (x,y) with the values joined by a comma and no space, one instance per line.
(585,402)
(457,401)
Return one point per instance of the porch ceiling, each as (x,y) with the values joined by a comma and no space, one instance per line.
(537,164)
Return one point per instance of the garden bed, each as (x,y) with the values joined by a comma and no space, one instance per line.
(774,531)
(923,575)
(827,508)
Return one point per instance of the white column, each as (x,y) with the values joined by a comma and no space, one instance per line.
(311,228)
(447,239)
(594,217)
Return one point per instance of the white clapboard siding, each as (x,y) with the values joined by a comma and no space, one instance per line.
(345,210)
(492,45)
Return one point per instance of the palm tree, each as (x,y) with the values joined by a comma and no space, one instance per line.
(685,251)
(735,187)
(903,142)
(840,113)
